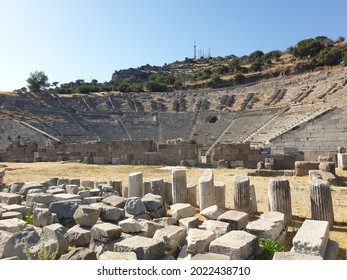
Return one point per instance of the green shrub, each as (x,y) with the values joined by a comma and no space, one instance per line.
(29,218)
(270,247)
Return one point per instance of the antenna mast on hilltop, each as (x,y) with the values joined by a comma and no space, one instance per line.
(194,50)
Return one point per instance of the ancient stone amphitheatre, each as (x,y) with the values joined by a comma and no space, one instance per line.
(271,166)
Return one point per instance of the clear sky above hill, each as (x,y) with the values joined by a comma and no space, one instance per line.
(89,39)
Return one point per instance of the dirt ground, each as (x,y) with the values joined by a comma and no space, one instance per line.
(299,187)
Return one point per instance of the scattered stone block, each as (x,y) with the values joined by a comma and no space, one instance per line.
(198,240)
(165,221)
(15,187)
(268,226)
(157,186)
(105,232)
(65,196)
(55,239)
(150,227)
(311,238)
(283,256)
(17,208)
(219,228)
(11,215)
(219,191)
(43,217)
(152,202)
(92,199)
(79,236)
(86,216)
(10,198)
(182,210)
(75,181)
(30,186)
(238,245)
(134,206)
(212,212)
(12,225)
(115,201)
(342,161)
(56,191)
(109,213)
(65,209)
(237,219)
(171,236)
(44,198)
(145,248)
(72,189)
(108,255)
(190,222)
(79,254)
(210,256)
(242,193)
(130,225)
(303,167)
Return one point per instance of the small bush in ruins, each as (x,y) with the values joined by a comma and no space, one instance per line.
(270,247)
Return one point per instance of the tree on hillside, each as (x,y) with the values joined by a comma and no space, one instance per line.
(308,48)
(37,81)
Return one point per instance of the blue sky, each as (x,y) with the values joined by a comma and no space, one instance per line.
(89,39)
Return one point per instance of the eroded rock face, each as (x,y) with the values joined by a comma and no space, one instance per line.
(134,206)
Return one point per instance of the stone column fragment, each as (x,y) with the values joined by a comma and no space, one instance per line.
(192,195)
(179,186)
(206,189)
(242,193)
(219,192)
(321,202)
(167,193)
(135,184)
(280,198)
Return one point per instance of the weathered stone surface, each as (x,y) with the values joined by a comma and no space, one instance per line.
(92,199)
(281,256)
(56,190)
(75,181)
(182,210)
(321,202)
(167,192)
(172,236)
(152,202)
(108,255)
(157,186)
(105,232)
(179,186)
(238,245)
(79,254)
(165,221)
(237,219)
(72,189)
(87,184)
(115,201)
(43,217)
(30,186)
(10,198)
(206,189)
(190,222)
(242,193)
(192,194)
(65,209)
(86,216)
(219,228)
(342,161)
(109,213)
(65,196)
(79,236)
(302,167)
(280,198)
(145,248)
(130,225)
(312,238)
(150,227)
(17,208)
(219,189)
(268,226)
(12,225)
(253,198)
(19,244)
(11,215)
(55,239)
(44,198)
(199,240)
(134,206)
(15,187)
(135,184)
(212,212)
(210,256)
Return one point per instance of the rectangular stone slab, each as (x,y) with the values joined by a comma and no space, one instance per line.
(311,238)
(237,244)
(145,248)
